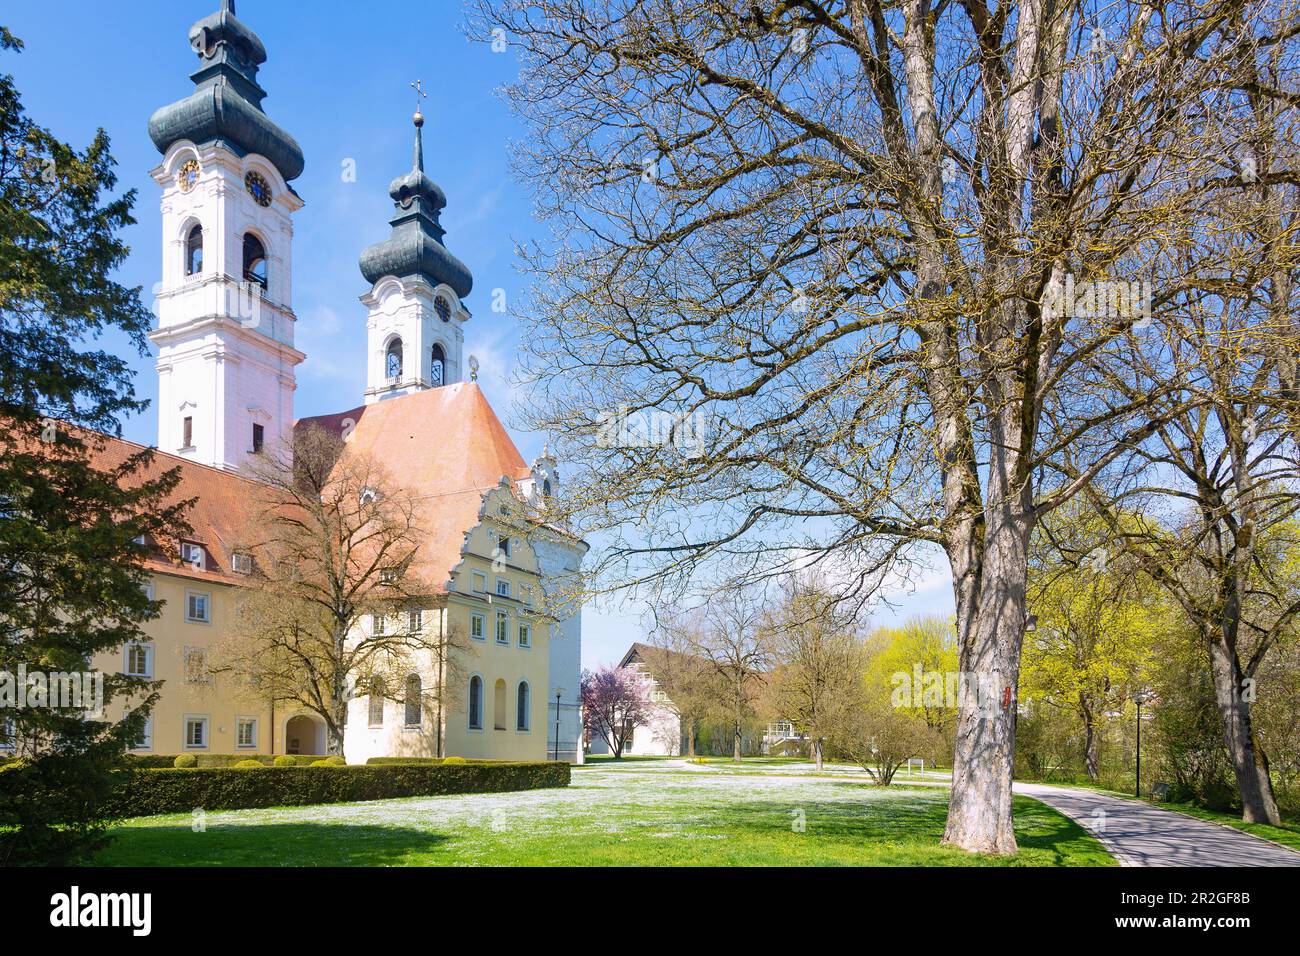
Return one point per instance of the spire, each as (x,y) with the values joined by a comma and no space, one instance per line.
(415,246)
(226,105)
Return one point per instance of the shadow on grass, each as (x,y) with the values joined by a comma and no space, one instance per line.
(278,844)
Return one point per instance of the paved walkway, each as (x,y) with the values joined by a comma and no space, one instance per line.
(1142,835)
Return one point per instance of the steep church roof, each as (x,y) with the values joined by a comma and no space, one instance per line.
(443,446)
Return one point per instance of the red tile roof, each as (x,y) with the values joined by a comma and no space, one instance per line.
(446,447)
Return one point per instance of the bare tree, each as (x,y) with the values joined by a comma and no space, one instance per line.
(811,295)
(818,659)
(333,607)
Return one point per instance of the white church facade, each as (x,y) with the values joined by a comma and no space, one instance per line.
(226,367)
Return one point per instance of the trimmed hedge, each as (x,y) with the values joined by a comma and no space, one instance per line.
(146,792)
(428,761)
(218,760)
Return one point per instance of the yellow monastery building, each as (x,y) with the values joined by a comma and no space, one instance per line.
(226,366)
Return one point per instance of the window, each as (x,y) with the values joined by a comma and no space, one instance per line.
(194,251)
(197,607)
(378,625)
(476,703)
(145,740)
(192,554)
(503,587)
(414,690)
(241,563)
(504,545)
(196,665)
(480,582)
(196,733)
(8,732)
(525,634)
(476,626)
(414,621)
(388,576)
(246,732)
(368,496)
(187,431)
(259,438)
(526,595)
(521,708)
(503,627)
(393,361)
(499,705)
(437,367)
(546,488)
(254,260)
(139,660)
(377,702)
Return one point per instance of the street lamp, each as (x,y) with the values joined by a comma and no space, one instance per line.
(559,692)
(1138,699)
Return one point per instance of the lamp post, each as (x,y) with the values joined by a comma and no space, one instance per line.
(1138,698)
(559,692)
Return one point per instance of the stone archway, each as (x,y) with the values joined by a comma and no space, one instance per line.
(304,735)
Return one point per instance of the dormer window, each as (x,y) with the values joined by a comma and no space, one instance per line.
(254,260)
(192,554)
(368,496)
(393,361)
(388,576)
(241,563)
(194,251)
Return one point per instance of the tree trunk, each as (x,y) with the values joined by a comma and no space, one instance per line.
(979,813)
(1249,763)
(817,751)
(1091,745)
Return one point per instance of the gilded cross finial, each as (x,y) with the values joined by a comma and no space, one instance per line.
(418,86)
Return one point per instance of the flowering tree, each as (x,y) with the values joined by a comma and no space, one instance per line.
(615,701)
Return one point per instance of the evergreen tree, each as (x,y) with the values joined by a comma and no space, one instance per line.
(71,573)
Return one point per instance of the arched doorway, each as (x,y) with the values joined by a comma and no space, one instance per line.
(304,735)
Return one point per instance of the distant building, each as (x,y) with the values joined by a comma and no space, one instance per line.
(663,736)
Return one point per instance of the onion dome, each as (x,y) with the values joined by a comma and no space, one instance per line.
(415,247)
(226,105)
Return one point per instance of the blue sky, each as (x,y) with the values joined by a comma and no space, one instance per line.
(337,78)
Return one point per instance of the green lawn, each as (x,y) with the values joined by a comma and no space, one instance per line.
(645,817)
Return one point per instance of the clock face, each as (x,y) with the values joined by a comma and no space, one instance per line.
(188,177)
(258,188)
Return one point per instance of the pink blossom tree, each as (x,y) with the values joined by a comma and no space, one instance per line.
(615,701)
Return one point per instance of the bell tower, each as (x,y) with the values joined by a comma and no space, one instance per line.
(225,320)
(415,326)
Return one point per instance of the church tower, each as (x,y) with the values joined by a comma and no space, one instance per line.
(415,327)
(225,320)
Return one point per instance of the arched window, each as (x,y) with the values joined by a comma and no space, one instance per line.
(377,702)
(414,692)
(476,703)
(437,367)
(254,260)
(393,360)
(546,488)
(499,705)
(521,712)
(194,251)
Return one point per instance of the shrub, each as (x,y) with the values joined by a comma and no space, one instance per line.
(145,792)
(284,760)
(335,761)
(250,765)
(320,763)
(456,761)
(220,760)
(184,761)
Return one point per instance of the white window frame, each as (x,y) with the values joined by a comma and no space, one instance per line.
(193,554)
(479,582)
(240,723)
(241,562)
(502,628)
(378,625)
(503,587)
(148,658)
(202,652)
(469,704)
(481,620)
(525,635)
(8,739)
(206,722)
(190,595)
(415,621)
(526,714)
